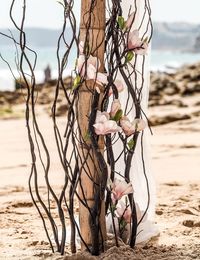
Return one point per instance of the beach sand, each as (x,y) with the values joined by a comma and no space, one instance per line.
(176,164)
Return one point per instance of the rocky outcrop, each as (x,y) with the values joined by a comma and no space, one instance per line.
(169,88)
(168,100)
(175,96)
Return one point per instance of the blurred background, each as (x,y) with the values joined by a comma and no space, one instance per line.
(176,39)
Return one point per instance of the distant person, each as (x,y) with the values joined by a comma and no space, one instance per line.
(47,74)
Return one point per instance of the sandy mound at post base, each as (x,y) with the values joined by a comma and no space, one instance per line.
(178,211)
(150,252)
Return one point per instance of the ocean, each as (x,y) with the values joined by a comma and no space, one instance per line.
(160,61)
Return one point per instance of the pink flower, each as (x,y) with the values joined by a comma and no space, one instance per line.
(130,128)
(139,124)
(126,125)
(124,212)
(102,117)
(119,85)
(104,125)
(85,62)
(130,20)
(120,188)
(116,106)
(136,44)
(98,76)
(90,66)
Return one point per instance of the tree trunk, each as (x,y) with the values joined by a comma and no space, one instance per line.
(92,17)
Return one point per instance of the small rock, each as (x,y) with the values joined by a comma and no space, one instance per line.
(186,211)
(155,120)
(159,212)
(197,224)
(34,243)
(62,110)
(188,223)
(24,232)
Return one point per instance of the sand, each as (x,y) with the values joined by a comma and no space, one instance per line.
(176,164)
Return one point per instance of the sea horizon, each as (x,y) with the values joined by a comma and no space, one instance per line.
(160,60)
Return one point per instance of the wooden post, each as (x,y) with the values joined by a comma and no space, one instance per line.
(95,39)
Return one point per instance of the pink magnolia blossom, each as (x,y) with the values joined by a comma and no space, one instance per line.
(124,212)
(85,62)
(104,125)
(89,67)
(126,125)
(136,44)
(139,124)
(102,117)
(130,20)
(92,73)
(119,85)
(120,188)
(131,127)
(116,105)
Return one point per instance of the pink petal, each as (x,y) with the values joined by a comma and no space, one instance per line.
(116,105)
(127,127)
(119,85)
(81,47)
(102,78)
(102,117)
(111,127)
(141,50)
(91,72)
(81,65)
(139,124)
(130,20)
(134,40)
(99,128)
(94,61)
(121,188)
(125,212)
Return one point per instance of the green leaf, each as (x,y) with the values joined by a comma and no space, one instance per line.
(129,56)
(118,115)
(76,62)
(77,81)
(87,48)
(87,136)
(146,40)
(131,144)
(113,208)
(121,22)
(122,224)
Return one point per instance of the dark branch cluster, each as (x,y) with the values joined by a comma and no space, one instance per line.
(85,153)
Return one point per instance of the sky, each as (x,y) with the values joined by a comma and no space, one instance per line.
(48,13)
